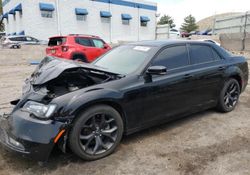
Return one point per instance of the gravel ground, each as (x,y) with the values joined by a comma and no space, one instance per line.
(205,143)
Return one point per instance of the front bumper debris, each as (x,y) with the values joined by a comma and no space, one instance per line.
(29,137)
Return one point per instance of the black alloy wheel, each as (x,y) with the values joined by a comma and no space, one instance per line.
(229,96)
(96,133)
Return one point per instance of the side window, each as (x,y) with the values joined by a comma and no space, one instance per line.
(200,54)
(98,43)
(83,41)
(22,39)
(29,39)
(216,55)
(172,57)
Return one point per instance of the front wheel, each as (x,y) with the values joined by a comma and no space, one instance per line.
(96,133)
(229,96)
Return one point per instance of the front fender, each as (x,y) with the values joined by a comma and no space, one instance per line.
(70,104)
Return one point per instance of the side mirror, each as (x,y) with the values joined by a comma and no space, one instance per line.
(105,46)
(157,70)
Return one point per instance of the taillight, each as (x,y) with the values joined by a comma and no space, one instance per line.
(65,48)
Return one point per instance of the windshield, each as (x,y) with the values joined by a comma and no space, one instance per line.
(124,59)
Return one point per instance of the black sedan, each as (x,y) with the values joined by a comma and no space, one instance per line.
(89,107)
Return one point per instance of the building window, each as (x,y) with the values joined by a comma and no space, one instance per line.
(144,21)
(105,16)
(46,10)
(144,24)
(126,18)
(81,14)
(125,22)
(105,20)
(81,17)
(46,14)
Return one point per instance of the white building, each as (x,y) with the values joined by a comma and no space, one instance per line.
(113,20)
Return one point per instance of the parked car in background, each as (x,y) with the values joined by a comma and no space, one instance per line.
(85,48)
(204,32)
(10,45)
(89,107)
(174,34)
(2,34)
(193,33)
(8,41)
(185,34)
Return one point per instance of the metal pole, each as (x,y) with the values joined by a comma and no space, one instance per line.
(245,32)
(139,24)
(110,25)
(213,31)
(58,18)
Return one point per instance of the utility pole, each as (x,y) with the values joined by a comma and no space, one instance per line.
(245,32)
(58,18)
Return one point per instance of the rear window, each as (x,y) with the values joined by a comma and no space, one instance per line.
(200,54)
(57,41)
(172,57)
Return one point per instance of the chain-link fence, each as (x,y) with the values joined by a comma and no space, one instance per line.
(234,31)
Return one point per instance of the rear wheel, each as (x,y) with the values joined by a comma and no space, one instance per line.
(96,133)
(229,96)
(79,58)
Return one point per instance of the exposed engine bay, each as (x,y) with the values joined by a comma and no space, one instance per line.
(72,80)
(54,77)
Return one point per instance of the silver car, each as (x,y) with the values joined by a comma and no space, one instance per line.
(12,41)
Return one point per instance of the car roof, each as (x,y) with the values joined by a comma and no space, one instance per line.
(15,36)
(74,35)
(162,43)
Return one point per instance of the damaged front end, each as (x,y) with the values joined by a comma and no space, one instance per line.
(35,124)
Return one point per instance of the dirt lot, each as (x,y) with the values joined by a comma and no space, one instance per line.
(205,143)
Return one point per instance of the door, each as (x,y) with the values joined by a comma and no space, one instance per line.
(100,47)
(170,94)
(86,47)
(208,68)
(30,40)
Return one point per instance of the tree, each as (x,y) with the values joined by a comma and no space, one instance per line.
(1,13)
(189,24)
(167,20)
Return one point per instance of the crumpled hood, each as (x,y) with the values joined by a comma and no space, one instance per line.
(51,67)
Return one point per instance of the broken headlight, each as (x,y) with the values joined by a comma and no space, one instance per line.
(39,110)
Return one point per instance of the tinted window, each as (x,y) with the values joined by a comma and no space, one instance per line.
(83,41)
(172,57)
(200,54)
(18,39)
(57,41)
(98,43)
(216,55)
(31,39)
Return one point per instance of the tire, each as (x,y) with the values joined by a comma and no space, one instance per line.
(96,133)
(229,96)
(79,58)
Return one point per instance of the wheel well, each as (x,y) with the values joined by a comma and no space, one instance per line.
(114,105)
(238,78)
(79,54)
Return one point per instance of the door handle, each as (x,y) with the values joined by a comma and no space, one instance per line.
(221,68)
(188,76)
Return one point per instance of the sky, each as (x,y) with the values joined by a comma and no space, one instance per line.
(179,9)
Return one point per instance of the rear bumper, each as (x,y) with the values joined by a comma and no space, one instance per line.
(31,138)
